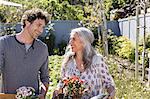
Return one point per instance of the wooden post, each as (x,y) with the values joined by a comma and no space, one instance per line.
(137,41)
(104,28)
(144,46)
(0,82)
(149,70)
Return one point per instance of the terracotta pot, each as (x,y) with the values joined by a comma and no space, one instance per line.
(7,96)
(77,97)
(60,96)
(73,97)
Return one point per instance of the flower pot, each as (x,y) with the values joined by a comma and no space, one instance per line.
(73,97)
(61,96)
(7,96)
(77,97)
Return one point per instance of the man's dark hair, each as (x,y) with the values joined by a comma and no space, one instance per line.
(33,14)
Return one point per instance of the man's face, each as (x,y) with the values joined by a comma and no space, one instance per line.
(36,28)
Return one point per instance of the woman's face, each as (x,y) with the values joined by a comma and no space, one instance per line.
(76,43)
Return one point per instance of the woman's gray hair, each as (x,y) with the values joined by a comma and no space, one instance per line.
(87,38)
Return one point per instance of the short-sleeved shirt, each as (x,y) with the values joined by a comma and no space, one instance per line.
(96,76)
(21,67)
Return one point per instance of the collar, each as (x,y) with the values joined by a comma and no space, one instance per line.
(24,43)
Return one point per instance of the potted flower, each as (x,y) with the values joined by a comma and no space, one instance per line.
(26,93)
(73,87)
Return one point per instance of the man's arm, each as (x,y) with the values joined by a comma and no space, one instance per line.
(1,54)
(44,77)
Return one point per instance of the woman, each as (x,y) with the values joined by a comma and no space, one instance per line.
(81,60)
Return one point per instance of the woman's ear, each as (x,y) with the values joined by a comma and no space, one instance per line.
(27,23)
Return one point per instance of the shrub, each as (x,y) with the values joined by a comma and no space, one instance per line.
(120,46)
(49,37)
(112,44)
(125,49)
(62,47)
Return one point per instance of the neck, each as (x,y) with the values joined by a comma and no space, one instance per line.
(79,56)
(24,37)
(79,61)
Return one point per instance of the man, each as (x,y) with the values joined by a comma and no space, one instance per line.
(24,58)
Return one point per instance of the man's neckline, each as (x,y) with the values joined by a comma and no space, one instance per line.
(24,43)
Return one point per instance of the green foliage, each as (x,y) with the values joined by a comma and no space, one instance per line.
(126,86)
(10,14)
(114,4)
(130,88)
(50,42)
(147,49)
(147,43)
(9,29)
(123,47)
(58,11)
(112,44)
(99,46)
(118,3)
(120,46)
(61,47)
(55,68)
(126,48)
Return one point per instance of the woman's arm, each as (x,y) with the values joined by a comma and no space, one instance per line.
(106,78)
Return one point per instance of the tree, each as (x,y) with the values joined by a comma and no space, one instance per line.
(117,4)
(59,9)
(10,14)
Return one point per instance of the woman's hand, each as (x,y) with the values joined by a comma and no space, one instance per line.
(41,96)
(111,92)
(56,92)
(111,95)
